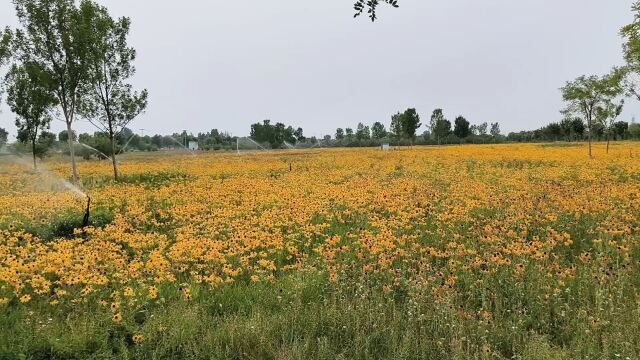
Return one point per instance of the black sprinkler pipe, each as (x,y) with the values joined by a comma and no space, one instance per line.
(85,219)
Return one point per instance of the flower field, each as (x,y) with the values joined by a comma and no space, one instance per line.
(478,251)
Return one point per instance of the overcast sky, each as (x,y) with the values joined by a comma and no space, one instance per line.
(227,64)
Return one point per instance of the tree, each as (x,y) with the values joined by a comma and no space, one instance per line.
(276,135)
(30,96)
(553,131)
(45,142)
(349,133)
(63,136)
(370,6)
(110,103)
(363,132)
(442,129)
(396,126)
(482,128)
(339,134)
(4,135)
(606,114)
(5,50)
(436,116)
(619,129)
(461,127)
(586,93)
(631,52)
(634,130)
(298,135)
(52,36)
(378,131)
(495,129)
(410,123)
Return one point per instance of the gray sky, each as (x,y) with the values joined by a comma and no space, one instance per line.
(227,64)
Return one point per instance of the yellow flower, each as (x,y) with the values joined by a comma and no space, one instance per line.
(138,338)
(116,318)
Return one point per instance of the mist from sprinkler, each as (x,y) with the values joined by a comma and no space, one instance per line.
(92,148)
(186,148)
(47,175)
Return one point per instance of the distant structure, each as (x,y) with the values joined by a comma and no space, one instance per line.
(193,145)
(386,147)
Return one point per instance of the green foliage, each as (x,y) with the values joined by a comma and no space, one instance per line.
(30,95)
(363,132)
(495,129)
(404,125)
(461,127)
(65,225)
(440,127)
(634,130)
(370,6)
(631,52)
(378,131)
(275,135)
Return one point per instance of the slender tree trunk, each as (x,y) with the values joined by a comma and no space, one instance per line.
(33,151)
(113,157)
(589,128)
(72,152)
(608,138)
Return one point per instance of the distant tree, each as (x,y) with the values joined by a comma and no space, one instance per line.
(426,135)
(461,127)
(436,116)
(326,138)
(495,129)
(276,135)
(46,140)
(620,129)
(370,6)
(410,123)
(474,129)
(396,126)
(378,131)
(63,136)
(110,103)
(363,132)
(339,134)
(566,128)
(30,96)
(442,129)
(585,94)
(298,135)
(553,131)
(634,130)
(482,128)
(4,135)
(349,133)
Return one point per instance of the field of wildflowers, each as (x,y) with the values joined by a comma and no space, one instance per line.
(479,251)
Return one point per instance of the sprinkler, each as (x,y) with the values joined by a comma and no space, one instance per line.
(85,219)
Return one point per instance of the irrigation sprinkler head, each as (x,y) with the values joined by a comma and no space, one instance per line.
(85,219)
